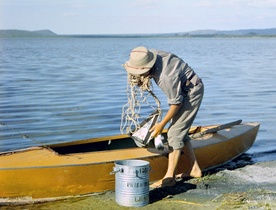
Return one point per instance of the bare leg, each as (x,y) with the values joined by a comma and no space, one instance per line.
(194,169)
(168,179)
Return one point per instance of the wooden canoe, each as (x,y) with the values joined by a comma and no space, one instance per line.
(83,167)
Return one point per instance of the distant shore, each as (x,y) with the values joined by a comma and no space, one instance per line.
(14,33)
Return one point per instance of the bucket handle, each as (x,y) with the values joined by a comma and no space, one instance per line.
(116,170)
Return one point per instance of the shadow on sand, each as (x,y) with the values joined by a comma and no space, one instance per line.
(183,186)
(166,192)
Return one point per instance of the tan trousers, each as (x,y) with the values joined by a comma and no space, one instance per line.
(183,120)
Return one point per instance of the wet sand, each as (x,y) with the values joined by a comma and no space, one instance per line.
(241,184)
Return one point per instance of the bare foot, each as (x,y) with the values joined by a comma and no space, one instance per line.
(165,182)
(193,174)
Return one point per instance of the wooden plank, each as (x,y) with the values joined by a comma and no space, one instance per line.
(215,129)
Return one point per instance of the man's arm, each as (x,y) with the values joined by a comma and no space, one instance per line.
(158,128)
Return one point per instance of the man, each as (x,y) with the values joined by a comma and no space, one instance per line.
(184,91)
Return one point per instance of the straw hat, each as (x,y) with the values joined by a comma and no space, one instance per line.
(141,60)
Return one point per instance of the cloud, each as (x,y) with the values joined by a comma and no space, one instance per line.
(145,4)
(78,5)
(69,14)
(262,4)
(257,4)
(203,3)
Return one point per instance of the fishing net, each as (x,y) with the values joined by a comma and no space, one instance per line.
(140,95)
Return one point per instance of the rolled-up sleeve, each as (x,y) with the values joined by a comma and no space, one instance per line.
(171,86)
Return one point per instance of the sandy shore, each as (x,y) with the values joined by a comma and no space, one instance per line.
(242,184)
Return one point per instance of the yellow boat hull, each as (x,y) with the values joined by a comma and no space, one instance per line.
(42,173)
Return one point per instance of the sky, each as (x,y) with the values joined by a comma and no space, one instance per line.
(136,16)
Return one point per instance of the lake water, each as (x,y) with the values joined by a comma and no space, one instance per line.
(65,89)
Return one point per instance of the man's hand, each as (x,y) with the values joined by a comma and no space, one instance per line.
(157,129)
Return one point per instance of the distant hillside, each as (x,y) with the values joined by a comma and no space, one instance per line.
(243,32)
(271,32)
(25,34)
(199,33)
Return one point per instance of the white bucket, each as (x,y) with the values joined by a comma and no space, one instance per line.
(132,183)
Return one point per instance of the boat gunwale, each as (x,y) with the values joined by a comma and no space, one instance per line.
(100,139)
(150,153)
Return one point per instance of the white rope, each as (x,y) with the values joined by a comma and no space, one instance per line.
(138,91)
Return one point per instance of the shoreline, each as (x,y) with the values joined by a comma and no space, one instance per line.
(241,184)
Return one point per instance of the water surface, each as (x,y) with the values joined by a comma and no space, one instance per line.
(65,89)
